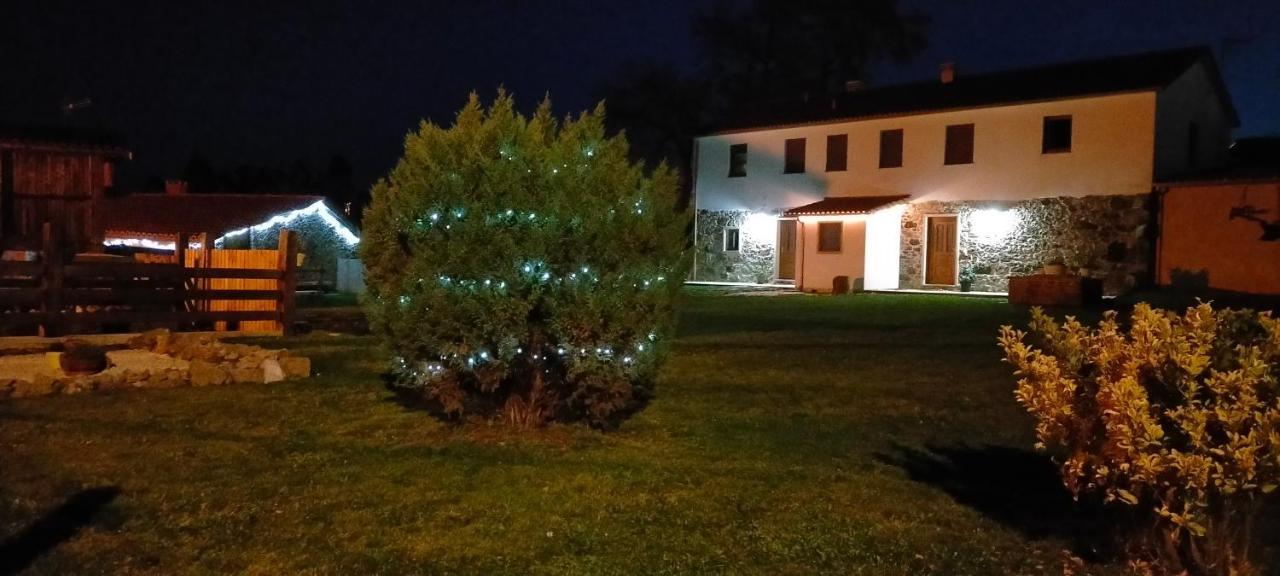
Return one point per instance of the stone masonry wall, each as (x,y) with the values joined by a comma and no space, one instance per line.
(753,262)
(1105,235)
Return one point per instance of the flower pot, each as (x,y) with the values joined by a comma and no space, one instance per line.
(1055,269)
(81,358)
(966,286)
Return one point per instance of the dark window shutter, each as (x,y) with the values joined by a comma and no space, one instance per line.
(837,152)
(737,160)
(959,144)
(795,156)
(891,148)
(830,235)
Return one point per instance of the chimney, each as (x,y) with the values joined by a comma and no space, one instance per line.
(175,187)
(854,85)
(947,71)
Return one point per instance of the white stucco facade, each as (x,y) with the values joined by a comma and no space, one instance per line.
(1113,150)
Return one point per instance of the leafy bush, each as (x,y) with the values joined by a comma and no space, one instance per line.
(524,267)
(1176,416)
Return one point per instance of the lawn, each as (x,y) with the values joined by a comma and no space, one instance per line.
(868,434)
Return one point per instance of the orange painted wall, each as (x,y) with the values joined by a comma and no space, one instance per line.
(1199,241)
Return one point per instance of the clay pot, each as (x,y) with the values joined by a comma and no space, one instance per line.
(1055,269)
(82,358)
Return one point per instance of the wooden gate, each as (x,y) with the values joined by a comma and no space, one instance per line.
(241,260)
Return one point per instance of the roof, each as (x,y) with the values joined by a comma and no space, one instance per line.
(76,138)
(1137,72)
(845,205)
(196,213)
(1236,174)
(1253,160)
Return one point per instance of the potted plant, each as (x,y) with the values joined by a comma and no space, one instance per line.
(967,276)
(1055,267)
(80,357)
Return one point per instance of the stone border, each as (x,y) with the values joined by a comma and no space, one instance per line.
(158,359)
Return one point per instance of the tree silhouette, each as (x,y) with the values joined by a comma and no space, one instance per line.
(772,49)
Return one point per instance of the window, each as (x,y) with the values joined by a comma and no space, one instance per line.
(837,152)
(737,160)
(1193,144)
(829,236)
(795,156)
(959,144)
(890,148)
(730,239)
(1057,135)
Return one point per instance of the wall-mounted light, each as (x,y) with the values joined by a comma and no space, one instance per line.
(760,227)
(993,225)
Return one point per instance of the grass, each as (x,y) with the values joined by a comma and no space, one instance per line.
(869,434)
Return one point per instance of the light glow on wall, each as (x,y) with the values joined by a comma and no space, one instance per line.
(760,227)
(884,238)
(993,225)
(317,209)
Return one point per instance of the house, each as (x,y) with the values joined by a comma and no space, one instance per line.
(905,187)
(154,222)
(55,174)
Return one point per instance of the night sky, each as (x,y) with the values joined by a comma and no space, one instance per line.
(270,82)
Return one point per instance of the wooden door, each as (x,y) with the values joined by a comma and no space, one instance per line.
(786,249)
(940,251)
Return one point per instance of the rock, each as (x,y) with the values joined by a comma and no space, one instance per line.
(208,374)
(148,340)
(143,361)
(271,371)
(295,366)
(246,375)
(41,385)
(109,379)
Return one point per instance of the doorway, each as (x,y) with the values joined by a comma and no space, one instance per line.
(786,249)
(940,251)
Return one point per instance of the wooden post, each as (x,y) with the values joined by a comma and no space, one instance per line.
(180,249)
(287,253)
(181,283)
(52,281)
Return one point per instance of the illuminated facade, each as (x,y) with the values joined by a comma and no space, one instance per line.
(985,176)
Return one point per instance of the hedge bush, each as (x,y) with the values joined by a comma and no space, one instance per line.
(1175,416)
(523,267)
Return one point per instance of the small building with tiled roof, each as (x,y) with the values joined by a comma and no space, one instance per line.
(154,222)
(993,175)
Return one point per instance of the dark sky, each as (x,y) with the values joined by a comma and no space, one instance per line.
(268,82)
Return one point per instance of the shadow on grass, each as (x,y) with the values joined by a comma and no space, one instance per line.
(55,527)
(1017,488)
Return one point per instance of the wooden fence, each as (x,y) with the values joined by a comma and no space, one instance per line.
(54,297)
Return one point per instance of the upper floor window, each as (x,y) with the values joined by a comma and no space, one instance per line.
(837,152)
(959,144)
(891,148)
(737,160)
(795,156)
(1057,134)
(731,239)
(830,235)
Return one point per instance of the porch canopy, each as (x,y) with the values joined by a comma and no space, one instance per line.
(846,205)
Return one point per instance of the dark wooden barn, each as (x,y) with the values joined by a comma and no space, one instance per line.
(59,175)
